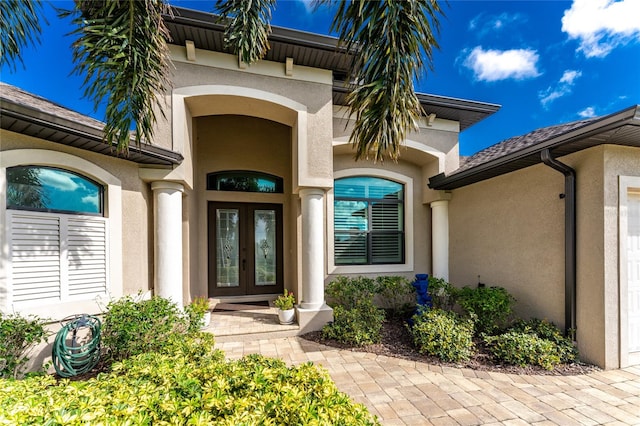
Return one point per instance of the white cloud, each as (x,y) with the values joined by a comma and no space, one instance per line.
(562,88)
(588,112)
(602,25)
(309,5)
(91,199)
(57,180)
(494,65)
(483,24)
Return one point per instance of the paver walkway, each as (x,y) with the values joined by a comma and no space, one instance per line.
(402,392)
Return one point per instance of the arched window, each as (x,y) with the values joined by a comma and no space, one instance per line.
(368,221)
(49,189)
(244,181)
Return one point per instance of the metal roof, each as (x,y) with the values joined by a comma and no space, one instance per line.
(32,115)
(620,128)
(312,50)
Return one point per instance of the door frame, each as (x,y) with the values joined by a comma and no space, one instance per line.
(246,285)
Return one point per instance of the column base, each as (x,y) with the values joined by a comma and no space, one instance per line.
(314,319)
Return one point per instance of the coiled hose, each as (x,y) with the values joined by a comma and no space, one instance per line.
(80,356)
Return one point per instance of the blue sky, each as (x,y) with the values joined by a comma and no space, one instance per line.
(545,62)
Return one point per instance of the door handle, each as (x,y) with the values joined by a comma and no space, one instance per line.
(244,264)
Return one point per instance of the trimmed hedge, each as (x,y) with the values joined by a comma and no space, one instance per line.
(443,334)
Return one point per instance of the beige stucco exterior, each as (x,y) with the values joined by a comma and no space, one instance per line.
(131,219)
(509,231)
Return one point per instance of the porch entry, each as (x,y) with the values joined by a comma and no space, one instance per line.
(245,249)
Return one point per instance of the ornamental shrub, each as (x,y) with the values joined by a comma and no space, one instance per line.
(175,387)
(195,313)
(442,293)
(490,307)
(443,334)
(396,295)
(18,335)
(518,348)
(563,346)
(349,291)
(360,325)
(132,327)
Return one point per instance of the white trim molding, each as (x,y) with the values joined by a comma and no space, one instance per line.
(112,211)
(627,185)
(408,264)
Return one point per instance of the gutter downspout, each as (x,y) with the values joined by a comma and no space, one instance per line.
(569,239)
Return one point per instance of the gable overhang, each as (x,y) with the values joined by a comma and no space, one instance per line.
(30,115)
(621,128)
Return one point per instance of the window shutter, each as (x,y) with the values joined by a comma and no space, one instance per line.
(87,256)
(386,238)
(35,257)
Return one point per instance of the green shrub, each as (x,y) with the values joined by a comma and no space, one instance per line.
(195,313)
(18,335)
(359,326)
(134,326)
(397,295)
(442,293)
(490,307)
(349,291)
(563,346)
(179,388)
(518,348)
(443,334)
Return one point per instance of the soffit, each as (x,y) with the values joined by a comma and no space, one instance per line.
(31,115)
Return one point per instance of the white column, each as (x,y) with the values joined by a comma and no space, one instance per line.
(167,202)
(440,239)
(312,248)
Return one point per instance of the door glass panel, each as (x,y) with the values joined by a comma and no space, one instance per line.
(227,253)
(265,247)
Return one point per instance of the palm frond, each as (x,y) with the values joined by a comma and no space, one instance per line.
(395,41)
(122,52)
(19,26)
(247,27)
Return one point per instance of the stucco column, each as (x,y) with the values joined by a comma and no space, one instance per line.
(167,203)
(440,239)
(312,248)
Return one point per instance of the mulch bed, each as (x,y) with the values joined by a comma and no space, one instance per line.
(397,343)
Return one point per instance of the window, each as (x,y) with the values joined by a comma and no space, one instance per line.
(58,235)
(244,181)
(368,221)
(50,189)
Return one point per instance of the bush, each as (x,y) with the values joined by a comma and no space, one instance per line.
(18,335)
(349,291)
(176,387)
(490,307)
(518,348)
(133,327)
(443,334)
(442,293)
(359,326)
(397,295)
(195,313)
(546,330)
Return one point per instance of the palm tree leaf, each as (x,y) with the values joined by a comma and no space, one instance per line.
(394,42)
(122,52)
(19,26)
(247,28)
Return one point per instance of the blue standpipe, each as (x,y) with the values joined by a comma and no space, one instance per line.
(421,285)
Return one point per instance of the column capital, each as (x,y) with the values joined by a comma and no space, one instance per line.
(439,203)
(167,184)
(310,191)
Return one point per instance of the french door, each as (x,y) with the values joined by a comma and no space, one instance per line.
(245,249)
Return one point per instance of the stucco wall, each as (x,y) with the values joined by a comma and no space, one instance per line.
(315,98)
(137,205)
(231,142)
(509,230)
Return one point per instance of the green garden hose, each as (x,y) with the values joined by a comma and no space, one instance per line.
(84,351)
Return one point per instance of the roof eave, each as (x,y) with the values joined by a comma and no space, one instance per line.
(499,166)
